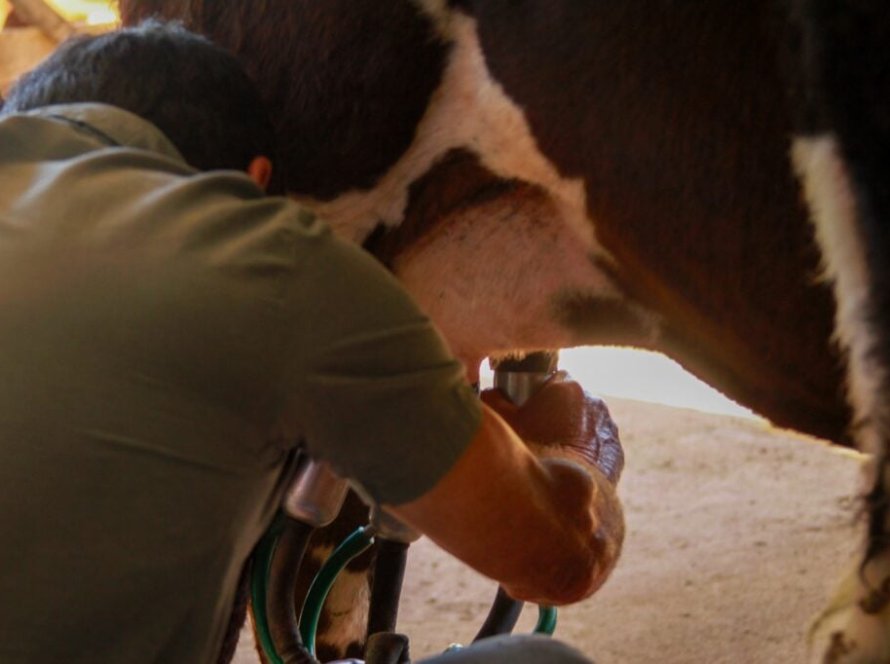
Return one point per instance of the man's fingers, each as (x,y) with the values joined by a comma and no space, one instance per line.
(562,417)
(499,402)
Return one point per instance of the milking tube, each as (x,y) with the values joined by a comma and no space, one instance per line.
(313,500)
(393,539)
(519,379)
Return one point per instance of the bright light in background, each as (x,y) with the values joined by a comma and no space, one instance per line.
(646,376)
(634,374)
(87,12)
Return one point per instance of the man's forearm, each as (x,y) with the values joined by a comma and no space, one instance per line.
(549,530)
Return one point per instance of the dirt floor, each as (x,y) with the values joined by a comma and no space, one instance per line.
(736,533)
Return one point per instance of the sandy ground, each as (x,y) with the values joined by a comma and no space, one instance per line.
(736,533)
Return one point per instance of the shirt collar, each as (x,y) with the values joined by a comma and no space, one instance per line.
(113,125)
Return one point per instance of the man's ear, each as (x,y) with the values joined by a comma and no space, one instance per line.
(260,171)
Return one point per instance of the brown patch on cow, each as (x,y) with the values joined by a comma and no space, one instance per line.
(840,647)
(607,321)
(326,652)
(456,182)
(877,600)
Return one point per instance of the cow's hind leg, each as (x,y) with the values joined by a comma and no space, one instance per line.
(856,627)
(844,160)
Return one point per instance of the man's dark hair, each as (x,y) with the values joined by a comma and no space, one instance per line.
(192,90)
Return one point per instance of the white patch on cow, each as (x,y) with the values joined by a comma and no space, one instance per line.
(833,210)
(469,110)
(845,633)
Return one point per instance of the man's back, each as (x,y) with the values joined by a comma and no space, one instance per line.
(128,412)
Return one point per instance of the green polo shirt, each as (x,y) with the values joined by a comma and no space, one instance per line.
(167,339)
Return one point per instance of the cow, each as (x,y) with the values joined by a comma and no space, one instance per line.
(551,173)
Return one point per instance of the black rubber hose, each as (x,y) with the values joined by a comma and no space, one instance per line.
(389,571)
(387,648)
(280,607)
(502,616)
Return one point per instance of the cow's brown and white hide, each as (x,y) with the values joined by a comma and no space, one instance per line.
(552,173)
(843,155)
(588,173)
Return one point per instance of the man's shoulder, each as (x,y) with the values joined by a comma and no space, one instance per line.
(68,180)
(102,125)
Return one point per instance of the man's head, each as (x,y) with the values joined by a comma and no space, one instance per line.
(192,90)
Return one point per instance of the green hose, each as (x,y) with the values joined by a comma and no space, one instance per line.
(358,542)
(354,545)
(259,579)
(546,620)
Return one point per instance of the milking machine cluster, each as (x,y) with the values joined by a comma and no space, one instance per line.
(313,501)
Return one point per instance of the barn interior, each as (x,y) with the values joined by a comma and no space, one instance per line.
(735,529)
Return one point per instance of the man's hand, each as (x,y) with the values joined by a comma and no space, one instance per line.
(562,420)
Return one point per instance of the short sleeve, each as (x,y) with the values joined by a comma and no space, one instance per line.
(378,394)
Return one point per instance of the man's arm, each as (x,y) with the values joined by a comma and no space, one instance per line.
(548,528)
(374,390)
